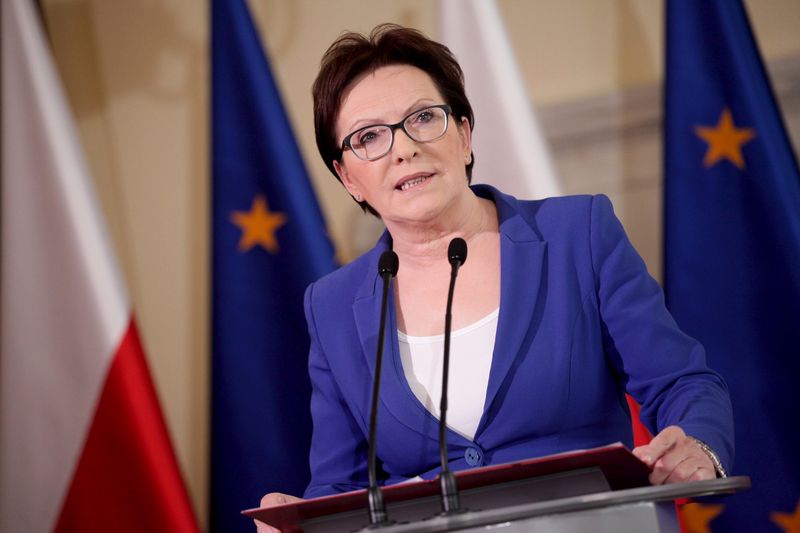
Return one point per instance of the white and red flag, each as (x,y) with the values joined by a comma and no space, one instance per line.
(83,443)
(510,148)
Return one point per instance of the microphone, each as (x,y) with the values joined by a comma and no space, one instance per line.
(457,252)
(456,255)
(387,269)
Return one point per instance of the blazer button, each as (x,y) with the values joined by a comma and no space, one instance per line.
(473,456)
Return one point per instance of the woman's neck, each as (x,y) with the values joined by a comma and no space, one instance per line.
(425,243)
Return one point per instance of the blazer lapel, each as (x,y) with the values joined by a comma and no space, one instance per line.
(522,254)
(395,395)
(367,306)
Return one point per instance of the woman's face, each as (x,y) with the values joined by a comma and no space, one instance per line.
(414,182)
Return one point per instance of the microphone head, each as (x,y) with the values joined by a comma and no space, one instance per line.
(457,251)
(388,263)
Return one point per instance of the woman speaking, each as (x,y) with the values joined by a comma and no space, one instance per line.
(555,318)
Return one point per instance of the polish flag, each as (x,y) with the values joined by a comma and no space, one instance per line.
(83,444)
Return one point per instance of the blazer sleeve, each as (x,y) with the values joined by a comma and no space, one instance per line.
(662,368)
(339,448)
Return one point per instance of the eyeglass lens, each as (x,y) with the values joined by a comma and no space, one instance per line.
(424,125)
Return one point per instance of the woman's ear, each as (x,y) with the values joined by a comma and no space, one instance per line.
(344,177)
(465,131)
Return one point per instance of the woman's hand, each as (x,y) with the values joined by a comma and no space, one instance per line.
(675,458)
(273,498)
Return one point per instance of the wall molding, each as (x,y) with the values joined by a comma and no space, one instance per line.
(628,112)
(612,144)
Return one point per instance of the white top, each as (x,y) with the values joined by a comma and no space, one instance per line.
(471,351)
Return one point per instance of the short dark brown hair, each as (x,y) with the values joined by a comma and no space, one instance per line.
(354,54)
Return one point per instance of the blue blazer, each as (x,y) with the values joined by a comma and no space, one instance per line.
(581,322)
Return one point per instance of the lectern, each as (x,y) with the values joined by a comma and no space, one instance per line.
(599,490)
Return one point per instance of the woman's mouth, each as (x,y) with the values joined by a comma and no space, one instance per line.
(413,182)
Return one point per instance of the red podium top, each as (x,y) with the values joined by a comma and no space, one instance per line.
(620,467)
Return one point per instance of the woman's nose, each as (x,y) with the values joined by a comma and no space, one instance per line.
(404,147)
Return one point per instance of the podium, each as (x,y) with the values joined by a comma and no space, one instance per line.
(599,490)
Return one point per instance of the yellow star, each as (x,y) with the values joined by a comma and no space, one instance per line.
(695,518)
(790,523)
(725,140)
(258,226)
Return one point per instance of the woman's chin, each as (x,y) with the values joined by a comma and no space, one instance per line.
(420,212)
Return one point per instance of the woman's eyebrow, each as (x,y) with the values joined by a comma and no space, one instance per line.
(366,122)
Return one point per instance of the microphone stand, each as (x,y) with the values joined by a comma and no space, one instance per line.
(388,265)
(457,255)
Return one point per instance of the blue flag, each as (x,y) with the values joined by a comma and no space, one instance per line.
(732,248)
(269,243)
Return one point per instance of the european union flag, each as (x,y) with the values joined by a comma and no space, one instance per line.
(732,238)
(269,244)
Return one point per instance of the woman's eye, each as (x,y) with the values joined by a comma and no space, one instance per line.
(424,116)
(367,137)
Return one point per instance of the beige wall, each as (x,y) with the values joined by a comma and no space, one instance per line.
(137,77)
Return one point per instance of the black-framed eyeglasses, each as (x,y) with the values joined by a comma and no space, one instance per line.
(373,142)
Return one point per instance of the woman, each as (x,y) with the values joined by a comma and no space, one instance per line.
(557,314)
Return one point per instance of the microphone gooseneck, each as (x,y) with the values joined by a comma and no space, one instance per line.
(456,255)
(388,265)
